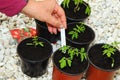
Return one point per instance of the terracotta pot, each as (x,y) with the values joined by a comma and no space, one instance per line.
(34,60)
(75,72)
(58,75)
(42,31)
(84,39)
(97,74)
(78,15)
(100,66)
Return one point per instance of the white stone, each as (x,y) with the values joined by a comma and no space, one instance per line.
(104,20)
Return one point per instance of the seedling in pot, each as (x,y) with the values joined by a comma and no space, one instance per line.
(77,30)
(77,7)
(67,61)
(36,42)
(110,50)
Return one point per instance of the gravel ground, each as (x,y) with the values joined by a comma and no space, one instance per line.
(104,20)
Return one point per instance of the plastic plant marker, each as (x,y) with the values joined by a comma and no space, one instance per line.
(63,38)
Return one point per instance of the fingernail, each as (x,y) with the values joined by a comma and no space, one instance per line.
(51,33)
(55,32)
(61,26)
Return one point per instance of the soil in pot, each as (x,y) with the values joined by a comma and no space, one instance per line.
(74,72)
(84,39)
(34,59)
(42,31)
(77,16)
(100,68)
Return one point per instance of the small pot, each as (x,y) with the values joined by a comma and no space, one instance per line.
(75,72)
(100,67)
(78,15)
(42,31)
(84,39)
(34,59)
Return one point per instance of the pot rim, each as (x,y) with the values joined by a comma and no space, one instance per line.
(38,22)
(91,30)
(28,60)
(67,72)
(80,18)
(91,63)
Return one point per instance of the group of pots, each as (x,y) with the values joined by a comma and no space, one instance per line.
(35,58)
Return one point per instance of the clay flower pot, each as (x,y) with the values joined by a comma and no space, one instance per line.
(84,39)
(42,31)
(77,16)
(100,66)
(75,72)
(34,59)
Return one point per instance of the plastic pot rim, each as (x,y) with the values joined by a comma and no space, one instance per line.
(92,31)
(28,60)
(97,67)
(66,72)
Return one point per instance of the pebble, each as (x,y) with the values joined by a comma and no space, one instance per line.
(104,20)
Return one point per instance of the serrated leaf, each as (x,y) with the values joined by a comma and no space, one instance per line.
(108,54)
(69,62)
(71,32)
(41,44)
(62,63)
(83,54)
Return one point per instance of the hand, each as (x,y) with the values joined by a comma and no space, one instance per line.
(47,11)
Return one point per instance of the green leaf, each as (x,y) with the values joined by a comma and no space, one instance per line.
(75,35)
(69,62)
(75,29)
(83,54)
(64,48)
(35,42)
(115,44)
(71,32)
(29,43)
(108,54)
(76,51)
(88,10)
(71,53)
(77,2)
(106,46)
(62,63)
(41,44)
(66,3)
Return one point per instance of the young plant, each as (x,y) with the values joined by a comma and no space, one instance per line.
(66,3)
(64,61)
(77,7)
(77,30)
(76,2)
(35,42)
(110,50)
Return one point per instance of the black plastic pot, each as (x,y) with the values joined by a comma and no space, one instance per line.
(42,31)
(34,59)
(78,15)
(100,66)
(84,39)
(75,72)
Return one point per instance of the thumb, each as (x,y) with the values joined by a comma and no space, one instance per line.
(54,21)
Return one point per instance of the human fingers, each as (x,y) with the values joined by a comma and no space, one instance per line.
(60,15)
(52,20)
(52,29)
